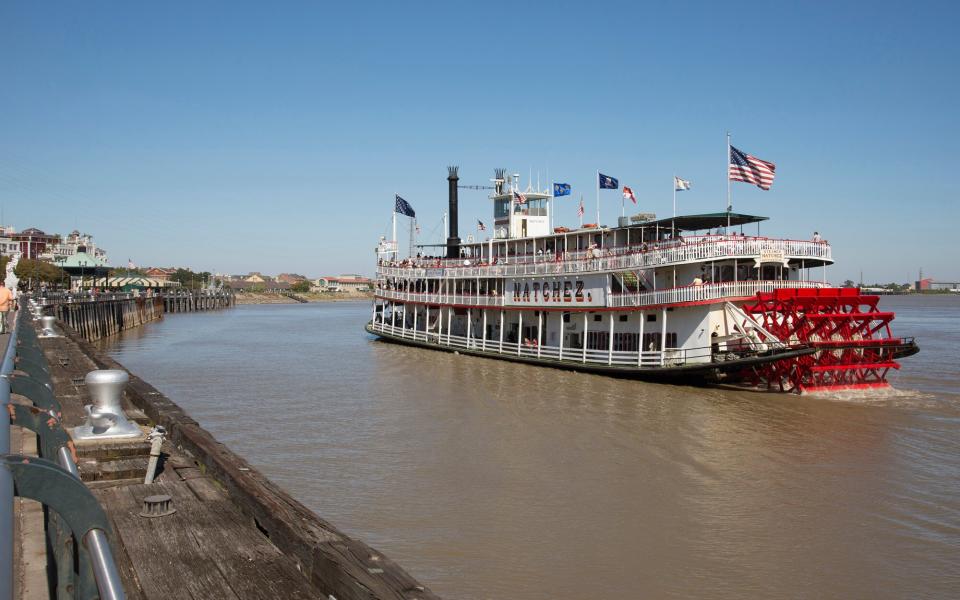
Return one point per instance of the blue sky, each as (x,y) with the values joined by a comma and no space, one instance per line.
(272,136)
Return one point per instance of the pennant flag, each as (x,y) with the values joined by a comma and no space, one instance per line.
(680,185)
(520,198)
(481,226)
(561,189)
(628,194)
(580,210)
(608,183)
(750,169)
(403,207)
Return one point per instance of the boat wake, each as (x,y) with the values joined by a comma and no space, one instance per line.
(890,397)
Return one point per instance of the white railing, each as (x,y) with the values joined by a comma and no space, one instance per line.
(705,292)
(677,295)
(459,299)
(695,249)
(647,358)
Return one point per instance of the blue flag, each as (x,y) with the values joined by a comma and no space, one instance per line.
(608,183)
(403,207)
(561,189)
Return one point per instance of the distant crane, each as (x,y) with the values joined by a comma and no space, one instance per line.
(476,187)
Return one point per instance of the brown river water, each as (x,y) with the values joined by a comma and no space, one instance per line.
(487,479)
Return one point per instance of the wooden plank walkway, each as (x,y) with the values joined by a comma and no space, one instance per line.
(205,550)
(235,534)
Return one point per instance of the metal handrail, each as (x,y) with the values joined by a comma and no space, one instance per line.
(675,295)
(95,540)
(6,478)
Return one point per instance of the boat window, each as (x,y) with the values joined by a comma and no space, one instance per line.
(597,317)
(651,318)
(623,318)
(501,208)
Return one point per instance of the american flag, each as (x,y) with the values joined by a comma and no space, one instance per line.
(751,169)
(520,198)
(481,226)
(580,210)
(628,194)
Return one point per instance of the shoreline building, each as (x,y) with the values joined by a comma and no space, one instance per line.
(929,284)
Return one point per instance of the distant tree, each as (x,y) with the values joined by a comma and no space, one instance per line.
(34,271)
(849,283)
(123,272)
(300,287)
(257,288)
(190,280)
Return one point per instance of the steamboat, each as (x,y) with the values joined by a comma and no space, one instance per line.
(689,299)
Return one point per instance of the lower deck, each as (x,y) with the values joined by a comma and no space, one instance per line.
(663,342)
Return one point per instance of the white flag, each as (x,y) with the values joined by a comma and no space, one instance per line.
(680,185)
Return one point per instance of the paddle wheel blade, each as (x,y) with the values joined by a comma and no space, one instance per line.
(855,347)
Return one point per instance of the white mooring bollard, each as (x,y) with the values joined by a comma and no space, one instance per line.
(105,418)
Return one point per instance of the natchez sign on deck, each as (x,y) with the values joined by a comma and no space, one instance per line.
(559,292)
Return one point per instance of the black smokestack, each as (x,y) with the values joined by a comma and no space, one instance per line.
(453,242)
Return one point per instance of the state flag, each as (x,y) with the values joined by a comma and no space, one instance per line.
(403,207)
(608,183)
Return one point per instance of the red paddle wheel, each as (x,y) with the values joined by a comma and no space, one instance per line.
(855,347)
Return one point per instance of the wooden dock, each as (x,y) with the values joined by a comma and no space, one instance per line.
(234,534)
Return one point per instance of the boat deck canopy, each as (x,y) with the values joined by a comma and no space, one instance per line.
(700,222)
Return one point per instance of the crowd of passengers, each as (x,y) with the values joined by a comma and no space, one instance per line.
(716,274)
(593,251)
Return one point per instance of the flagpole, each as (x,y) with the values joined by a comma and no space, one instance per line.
(550,206)
(395,245)
(581,211)
(598,198)
(673,223)
(729,198)
(674,196)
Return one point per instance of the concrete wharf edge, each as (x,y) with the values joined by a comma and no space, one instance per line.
(340,567)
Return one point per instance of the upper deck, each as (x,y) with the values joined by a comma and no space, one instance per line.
(644,255)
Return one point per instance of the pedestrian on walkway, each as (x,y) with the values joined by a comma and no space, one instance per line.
(6,303)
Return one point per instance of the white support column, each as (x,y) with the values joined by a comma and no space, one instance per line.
(584,359)
(414,321)
(520,332)
(449,323)
(439,325)
(393,316)
(643,318)
(663,336)
(469,323)
(484,343)
(426,324)
(539,331)
(562,327)
(610,344)
(502,325)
